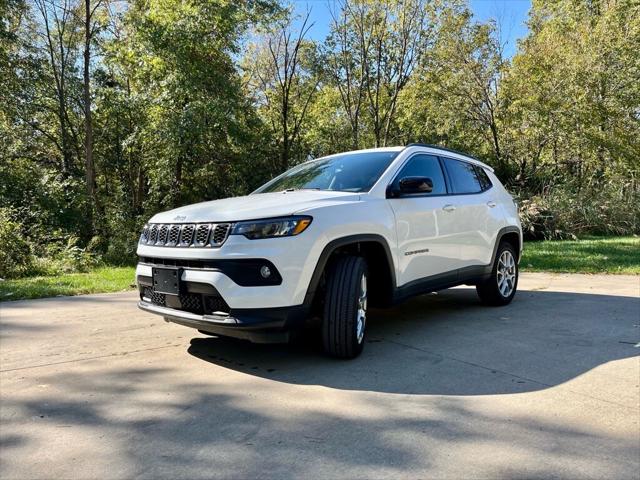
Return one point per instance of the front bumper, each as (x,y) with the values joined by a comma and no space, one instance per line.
(270,325)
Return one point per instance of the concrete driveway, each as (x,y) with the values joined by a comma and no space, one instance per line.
(547,387)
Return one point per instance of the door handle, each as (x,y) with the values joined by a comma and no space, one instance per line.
(449,208)
(491,204)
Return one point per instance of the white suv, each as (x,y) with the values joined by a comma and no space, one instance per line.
(328,238)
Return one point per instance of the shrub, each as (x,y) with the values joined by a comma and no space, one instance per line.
(122,250)
(611,208)
(538,220)
(16,258)
(70,257)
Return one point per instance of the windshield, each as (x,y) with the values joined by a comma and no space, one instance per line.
(350,172)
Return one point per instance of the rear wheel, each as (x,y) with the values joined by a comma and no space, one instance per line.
(500,288)
(345,308)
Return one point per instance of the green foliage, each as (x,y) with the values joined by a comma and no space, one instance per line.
(573,92)
(16,258)
(68,257)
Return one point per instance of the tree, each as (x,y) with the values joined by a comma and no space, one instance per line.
(90,27)
(282,80)
(454,96)
(199,123)
(58,36)
(574,89)
(374,49)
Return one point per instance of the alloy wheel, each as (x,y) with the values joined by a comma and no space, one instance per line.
(506,274)
(361,319)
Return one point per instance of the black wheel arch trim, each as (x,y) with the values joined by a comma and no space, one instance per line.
(337,243)
(501,233)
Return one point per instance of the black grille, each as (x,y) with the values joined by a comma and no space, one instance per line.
(185,235)
(162,234)
(202,235)
(153,234)
(215,304)
(156,298)
(174,235)
(220,233)
(190,302)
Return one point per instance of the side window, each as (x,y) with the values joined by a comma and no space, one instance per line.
(463,176)
(485,182)
(424,166)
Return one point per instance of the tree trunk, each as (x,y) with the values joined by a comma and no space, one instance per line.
(177,182)
(496,146)
(90,174)
(64,139)
(285,133)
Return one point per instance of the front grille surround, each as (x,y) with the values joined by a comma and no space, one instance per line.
(201,235)
(153,234)
(174,236)
(186,235)
(163,230)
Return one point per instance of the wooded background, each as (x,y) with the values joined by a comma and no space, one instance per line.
(111,111)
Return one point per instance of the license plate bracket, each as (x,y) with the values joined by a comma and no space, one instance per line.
(167,280)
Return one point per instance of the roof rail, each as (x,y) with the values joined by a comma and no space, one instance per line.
(442,148)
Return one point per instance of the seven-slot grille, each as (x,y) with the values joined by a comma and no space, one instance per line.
(185,235)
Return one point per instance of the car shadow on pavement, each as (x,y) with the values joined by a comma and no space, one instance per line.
(449,344)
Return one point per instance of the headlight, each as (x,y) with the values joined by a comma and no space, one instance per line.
(272,227)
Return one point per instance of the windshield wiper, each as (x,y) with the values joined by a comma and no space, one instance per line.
(296,189)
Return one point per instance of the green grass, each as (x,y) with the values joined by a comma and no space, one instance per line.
(103,279)
(587,255)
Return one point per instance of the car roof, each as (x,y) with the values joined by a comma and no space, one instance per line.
(435,149)
(366,150)
(439,150)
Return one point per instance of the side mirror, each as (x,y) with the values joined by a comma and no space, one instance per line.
(411,186)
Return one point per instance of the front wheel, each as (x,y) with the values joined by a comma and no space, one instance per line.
(345,307)
(500,287)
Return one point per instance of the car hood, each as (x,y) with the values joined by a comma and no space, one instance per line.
(253,207)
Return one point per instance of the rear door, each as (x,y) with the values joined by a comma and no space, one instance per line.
(477,218)
(423,224)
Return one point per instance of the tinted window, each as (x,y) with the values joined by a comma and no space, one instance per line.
(463,176)
(485,183)
(352,172)
(424,166)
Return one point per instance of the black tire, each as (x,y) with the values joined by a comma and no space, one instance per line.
(342,300)
(489,291)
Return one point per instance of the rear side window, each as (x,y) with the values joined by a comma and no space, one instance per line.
(424,166)
(463,176)
(485,182)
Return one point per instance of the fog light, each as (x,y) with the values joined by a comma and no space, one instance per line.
(265,271)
